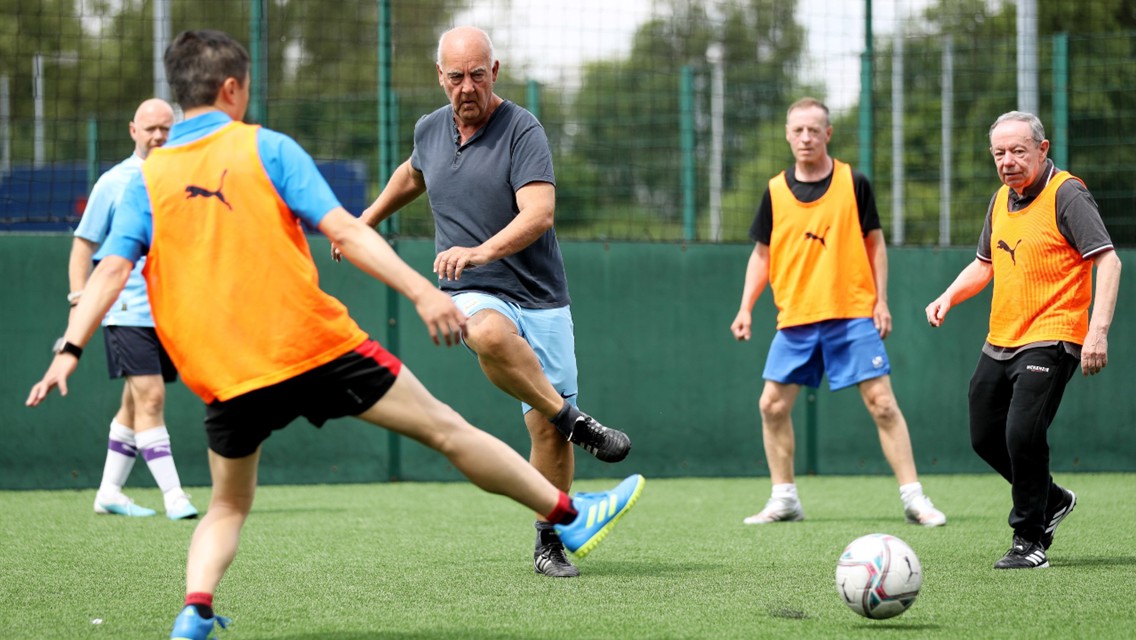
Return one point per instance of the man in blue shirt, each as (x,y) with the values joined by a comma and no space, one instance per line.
(486,167)
(133,349)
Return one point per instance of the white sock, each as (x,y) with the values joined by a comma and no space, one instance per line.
(154,444)
(121,453)
(910,491)
(787,491)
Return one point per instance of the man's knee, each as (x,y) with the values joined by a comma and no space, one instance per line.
(774,406)
(884,409)
(880,401)
(148,394)
(988,443)
(489,332)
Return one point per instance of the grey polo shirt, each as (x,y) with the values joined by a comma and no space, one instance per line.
(472,191)
(1078,217)
(1079,221)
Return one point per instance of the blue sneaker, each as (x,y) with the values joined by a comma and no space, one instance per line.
(178,507)
(598,514)
(120,505)
(189,625)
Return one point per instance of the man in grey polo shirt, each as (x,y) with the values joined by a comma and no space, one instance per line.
(486,166)
(1042,238)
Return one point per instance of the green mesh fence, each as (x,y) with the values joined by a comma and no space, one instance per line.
(641,153)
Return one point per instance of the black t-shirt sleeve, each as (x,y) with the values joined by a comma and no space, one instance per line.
(866,203)
(762,228)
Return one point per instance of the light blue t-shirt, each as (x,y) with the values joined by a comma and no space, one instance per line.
(132,308)
(290,169)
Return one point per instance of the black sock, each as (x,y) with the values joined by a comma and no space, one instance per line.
(204,610)
(565,420)
(545,533)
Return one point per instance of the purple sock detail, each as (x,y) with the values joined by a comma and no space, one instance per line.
(127,450)
(156,451)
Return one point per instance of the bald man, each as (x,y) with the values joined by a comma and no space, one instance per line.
(133,349)
(520,318)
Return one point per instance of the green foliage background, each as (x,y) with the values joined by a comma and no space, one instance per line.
(615,125)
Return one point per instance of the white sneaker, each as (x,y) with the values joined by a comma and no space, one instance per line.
(920,511)
(118,504)
(778,510)
(178,506)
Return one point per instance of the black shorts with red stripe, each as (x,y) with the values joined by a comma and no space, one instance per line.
(347,386)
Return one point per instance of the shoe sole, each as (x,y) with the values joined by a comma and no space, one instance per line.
(598,537)
(115,510)
(604,456)
(1044,565)
(559,575)
(752,520)
(933,523)
(574,573)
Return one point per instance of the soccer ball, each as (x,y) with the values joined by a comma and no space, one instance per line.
(878,576)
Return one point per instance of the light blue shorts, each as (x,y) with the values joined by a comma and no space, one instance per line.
(548,331)
(849,351)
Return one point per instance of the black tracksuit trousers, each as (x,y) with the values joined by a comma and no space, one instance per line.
(1012,403)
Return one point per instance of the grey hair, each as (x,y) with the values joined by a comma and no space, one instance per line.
(488,42)
(1037,130)
(808,102)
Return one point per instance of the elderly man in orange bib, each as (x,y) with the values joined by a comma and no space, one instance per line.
(1042,237)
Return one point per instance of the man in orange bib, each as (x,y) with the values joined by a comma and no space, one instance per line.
(819,245)
(1043,235)
(237,304)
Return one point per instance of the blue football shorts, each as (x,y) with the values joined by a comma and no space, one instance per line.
(548,331)
(849,351)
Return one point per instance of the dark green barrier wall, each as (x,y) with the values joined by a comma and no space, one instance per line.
(656,359)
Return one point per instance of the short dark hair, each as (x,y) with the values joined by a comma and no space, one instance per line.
(198,62)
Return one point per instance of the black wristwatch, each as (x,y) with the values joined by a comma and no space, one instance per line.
(62,346)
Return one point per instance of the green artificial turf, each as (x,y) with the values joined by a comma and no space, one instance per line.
(422,560)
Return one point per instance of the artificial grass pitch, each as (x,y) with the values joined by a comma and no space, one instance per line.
(426,560)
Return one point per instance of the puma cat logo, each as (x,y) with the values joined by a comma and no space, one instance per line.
(812,236)
(1005,247)
(195,191)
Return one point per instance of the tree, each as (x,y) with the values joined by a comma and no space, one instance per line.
(626,115)
(1101,105)
(51,29)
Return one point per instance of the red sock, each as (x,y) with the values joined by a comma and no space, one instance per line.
(564,512)
(201,601)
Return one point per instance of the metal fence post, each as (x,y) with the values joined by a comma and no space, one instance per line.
(1060,136)
(686,142)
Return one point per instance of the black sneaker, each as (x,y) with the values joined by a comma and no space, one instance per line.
(1064,508)
(608,445)
(549,558)
(1023,555)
